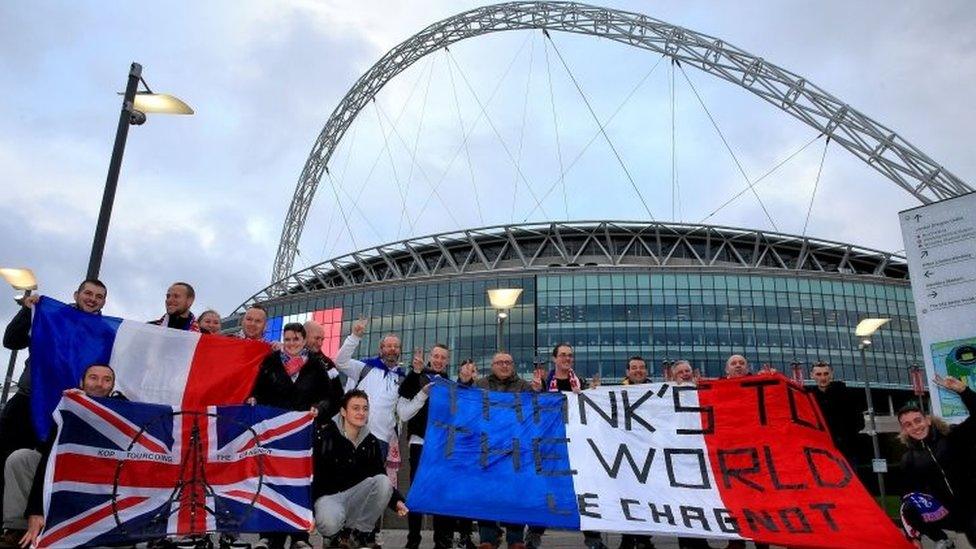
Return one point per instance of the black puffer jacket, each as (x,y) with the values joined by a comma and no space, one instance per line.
(17,337)
(942,465)
(341,463)
(313,386)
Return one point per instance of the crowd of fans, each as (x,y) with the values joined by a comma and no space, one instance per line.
(360,405)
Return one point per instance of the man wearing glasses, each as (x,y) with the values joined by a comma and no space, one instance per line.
(503,378)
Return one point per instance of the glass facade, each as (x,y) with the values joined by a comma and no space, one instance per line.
(608,316)
(455,313)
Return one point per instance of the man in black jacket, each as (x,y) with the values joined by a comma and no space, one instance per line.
(839,409)
(636,375)
(25,470)
(939,464)
(179,299)
(412,407)
(16,426)
(349,485)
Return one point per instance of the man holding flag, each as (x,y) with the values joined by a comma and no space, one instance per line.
(25,469)
(16,429)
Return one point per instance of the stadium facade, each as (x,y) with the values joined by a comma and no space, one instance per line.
(615,289)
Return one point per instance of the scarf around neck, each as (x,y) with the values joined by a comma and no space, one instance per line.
(574,382)
(293,364)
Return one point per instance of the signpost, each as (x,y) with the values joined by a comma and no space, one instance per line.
(940,244)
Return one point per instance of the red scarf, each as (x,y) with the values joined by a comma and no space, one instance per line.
(292,364)
(574,382)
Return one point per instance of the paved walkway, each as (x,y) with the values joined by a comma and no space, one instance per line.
(555,539)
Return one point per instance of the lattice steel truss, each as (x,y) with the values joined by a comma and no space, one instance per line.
(535,247)
(880,147)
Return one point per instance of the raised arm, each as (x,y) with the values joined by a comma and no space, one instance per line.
(17,334)
(408,407)
(343,360)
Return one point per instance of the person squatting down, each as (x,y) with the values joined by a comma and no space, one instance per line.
(349,483)
(25,469)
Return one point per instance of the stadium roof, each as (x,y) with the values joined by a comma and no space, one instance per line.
(592,244)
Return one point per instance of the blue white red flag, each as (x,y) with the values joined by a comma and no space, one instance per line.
(747,458)
(124,471)
(151,363)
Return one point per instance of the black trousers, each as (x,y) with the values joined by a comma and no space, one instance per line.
(631,541)
(444,527)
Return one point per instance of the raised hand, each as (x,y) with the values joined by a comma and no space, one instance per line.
(537,379)
(595,381)
(31,300)
(418,360)
(953,384)
(359,327)
(467,373)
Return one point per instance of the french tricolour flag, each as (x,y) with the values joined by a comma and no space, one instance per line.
(152,363)
(747,458)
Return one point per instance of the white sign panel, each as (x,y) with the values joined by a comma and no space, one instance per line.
(940,243)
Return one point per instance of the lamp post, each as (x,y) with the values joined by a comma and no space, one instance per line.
(502,300)
(135,106)
(918,384)
(23,280)
(865,329)
(797,368)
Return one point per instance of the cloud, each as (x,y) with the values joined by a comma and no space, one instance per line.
(202,198)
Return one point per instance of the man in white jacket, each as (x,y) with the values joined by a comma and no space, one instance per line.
(379,377)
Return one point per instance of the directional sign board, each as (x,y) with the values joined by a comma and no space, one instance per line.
(940,243)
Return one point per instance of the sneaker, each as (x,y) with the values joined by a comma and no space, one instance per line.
(465,542)
(945,544)
(365,540)
(261,544)
(301,544)
(339,541)
(10,539)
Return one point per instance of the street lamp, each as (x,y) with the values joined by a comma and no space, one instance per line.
(865,329)
(23,280)
(502,300)
(135,105)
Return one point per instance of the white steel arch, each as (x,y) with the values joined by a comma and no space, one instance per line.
(881,148)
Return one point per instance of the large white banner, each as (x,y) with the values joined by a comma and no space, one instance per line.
(940,243)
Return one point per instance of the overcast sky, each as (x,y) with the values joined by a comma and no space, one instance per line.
(202,198)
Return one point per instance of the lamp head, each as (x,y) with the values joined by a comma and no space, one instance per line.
(504,298)
(867,327)
(161,103)
(20,279)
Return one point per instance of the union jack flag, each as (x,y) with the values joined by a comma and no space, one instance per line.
(124,471)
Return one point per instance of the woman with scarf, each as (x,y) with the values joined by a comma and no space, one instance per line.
(293,379)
